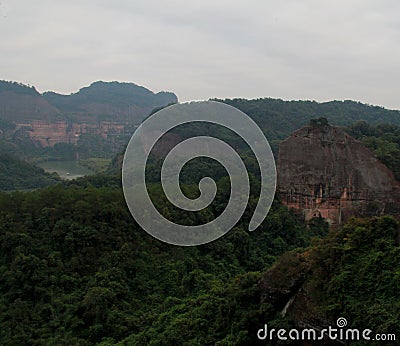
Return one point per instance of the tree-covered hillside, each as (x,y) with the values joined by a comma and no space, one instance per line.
(110,100)
(278,118)
(19,88)
(77,270)
(383,140)
(353,273)
(20,102)
(16,174)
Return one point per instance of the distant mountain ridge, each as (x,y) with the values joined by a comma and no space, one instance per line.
(113,101)
(19,102)
(103,112)
(279,118)
(101,117)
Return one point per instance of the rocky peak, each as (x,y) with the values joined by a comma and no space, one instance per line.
(323,171)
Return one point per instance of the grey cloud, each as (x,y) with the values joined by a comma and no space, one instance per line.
(303,49)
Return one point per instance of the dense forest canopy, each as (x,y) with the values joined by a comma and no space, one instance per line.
(112,93)
(75,269)
(278,118)
(383,140)
(16,174)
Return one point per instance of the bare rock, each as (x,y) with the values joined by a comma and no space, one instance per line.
(323,171)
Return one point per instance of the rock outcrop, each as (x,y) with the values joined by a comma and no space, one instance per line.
(48,134)
(288,287)
(106,109)
(322,171)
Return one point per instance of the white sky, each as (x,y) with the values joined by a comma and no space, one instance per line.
(291,49)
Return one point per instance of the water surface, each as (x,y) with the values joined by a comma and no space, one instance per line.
(66,169)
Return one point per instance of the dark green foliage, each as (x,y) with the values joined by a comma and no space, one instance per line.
(91,145)
(383,140)
(6,125)
(16,174)
(114,93)
(358,273)
(26,150)
(76,269)
(17,88)
(278,118)
(122,104)
(321,121)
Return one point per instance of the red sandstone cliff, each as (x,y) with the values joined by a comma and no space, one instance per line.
(322,171)
(48,134)
(103,108)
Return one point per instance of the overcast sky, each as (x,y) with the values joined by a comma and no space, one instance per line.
(291,49)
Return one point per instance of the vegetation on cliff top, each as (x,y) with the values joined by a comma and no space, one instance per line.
(278,118)
(383,140)
(121,95)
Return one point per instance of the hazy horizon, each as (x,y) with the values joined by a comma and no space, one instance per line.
(296,50)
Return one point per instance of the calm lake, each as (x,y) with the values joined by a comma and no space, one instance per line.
(66,169)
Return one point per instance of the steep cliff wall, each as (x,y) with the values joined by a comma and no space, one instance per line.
(103,108)
(322,171)
(49,134)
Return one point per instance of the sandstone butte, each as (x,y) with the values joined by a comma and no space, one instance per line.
(324,172)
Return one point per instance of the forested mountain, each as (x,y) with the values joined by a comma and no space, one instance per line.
(351,273)
(95,122)
(278,118)
(104,115)
(18,88)
(19,102)
(127,102)
(76,269)
(110,100)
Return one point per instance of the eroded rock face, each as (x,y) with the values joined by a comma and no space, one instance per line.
(279,286)
(106,109)
(48,134)
(289,287)
(322,171)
